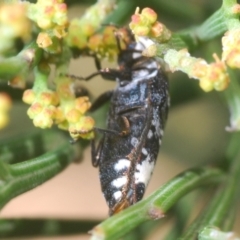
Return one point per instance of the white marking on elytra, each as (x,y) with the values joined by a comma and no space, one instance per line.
(136,55)
(160,141)
(141,74)
(144,151)
(134,141)
(150,134)
(121,164)
(119,182)
(144,171)
(153,122)
(143,42)
(117,195)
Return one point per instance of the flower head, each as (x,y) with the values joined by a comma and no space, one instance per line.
(5,105)
(231,48)
(71,111)
(13,24)
(146,24)
(211,76)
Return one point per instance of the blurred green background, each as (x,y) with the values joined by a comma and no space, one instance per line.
(195,133)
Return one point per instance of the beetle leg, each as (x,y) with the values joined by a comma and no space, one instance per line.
(83,78)
(96,152)
(126,129)
(106,73)
(97,63)
(124,132)
(107,131)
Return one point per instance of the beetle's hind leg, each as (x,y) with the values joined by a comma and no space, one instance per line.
(126,126)
(95,152)
(124,132)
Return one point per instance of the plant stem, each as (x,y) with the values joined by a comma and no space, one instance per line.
(43,227)
(211,233)
(182,213)
(22,147)
(123,11)
(229,221)
(217,24)
(155,206)
(20,64)
(170,8)
(232,96)
(21,177)
(221,204)
(214,26)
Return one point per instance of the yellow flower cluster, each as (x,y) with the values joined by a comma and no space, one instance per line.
(71,111)
(81,31)
(13,24)
(104,45)
(62,108)
(231,48)
(215,76)
(211,76)
(146,24)
(43,107)
(5,105)
(51,17)
(48,13)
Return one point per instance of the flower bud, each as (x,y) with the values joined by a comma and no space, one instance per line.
(28,96)
(44,40)
(149,14)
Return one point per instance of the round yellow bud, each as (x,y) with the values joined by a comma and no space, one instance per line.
(150,15)
(28,96)
(5,102)
(3,119)
(82,104)
(73,115)
(44,40)
(42,121)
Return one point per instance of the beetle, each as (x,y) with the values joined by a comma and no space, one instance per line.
(128,150)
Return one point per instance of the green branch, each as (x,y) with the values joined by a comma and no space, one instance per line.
(232,97)
(155,206)
(27,59)
(17,228)
(216,25)
(222,203)
(121,13)
(22,147)
(181,212)
(21,177)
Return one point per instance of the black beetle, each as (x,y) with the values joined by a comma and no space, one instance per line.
(127,153)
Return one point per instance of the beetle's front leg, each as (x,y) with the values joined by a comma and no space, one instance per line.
(107,73)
